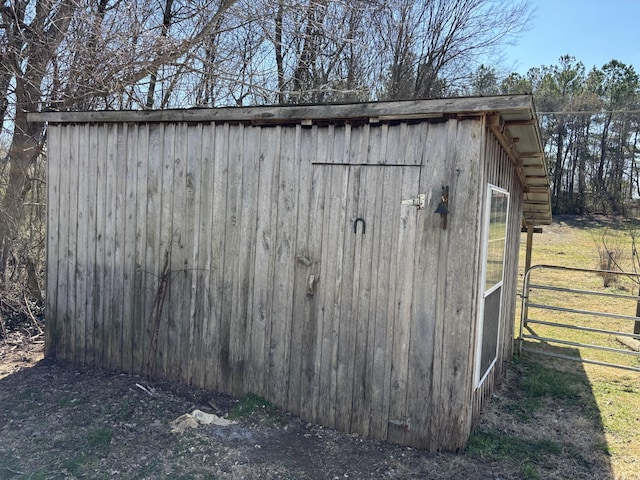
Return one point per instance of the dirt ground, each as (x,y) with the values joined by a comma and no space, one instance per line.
(59,420)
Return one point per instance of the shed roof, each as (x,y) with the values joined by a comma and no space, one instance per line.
(512,118)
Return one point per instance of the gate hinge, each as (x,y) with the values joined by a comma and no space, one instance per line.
(419,201)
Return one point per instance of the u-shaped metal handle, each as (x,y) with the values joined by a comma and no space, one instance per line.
(355,225)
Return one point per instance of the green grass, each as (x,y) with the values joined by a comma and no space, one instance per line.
(255,408)
(251,404)
(500,446)
(99,439)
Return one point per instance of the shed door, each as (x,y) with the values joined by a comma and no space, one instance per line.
(366,240)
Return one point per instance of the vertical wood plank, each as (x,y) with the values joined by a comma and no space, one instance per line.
(378,425)
(309,242)
(453,399)
(168,241)
(365,388)
(319,231)
(279,342)
(333,255)
(362,299)
(55,158)
(189,140)
(211,307)
(345,309)
(140,291)
(231,251)
(92,304)
(128,235)
(423,319)
(153,253)
(65,329)
(71,319)
(400,417)
(264,264)
(219,325)
(302,326)
(411,149)
(82,263)
(201,354)
(180,253)
(118,165)
(248,139)
(99,285)
(109,327)
(191,346)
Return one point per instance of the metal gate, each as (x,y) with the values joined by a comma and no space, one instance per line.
(551,324)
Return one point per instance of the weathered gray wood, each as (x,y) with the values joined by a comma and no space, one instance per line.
(246,158)
(345,311)
(407,216)
(266,212)
(302,329)
(215,247)
(368,390)
(81,251)
(192,327)
(107,261)
(334,191)
(422,323)
(71,242)
(381,290)
(139,290)
(455,393)
(119,299)
(180,253)
(318,234)
(154,254)
(202,355)
(65,329)
(169,238)
(128,241)
(308,273)
(55,216)
(279,342)
(402,275)
(230,251)
(220,335)
(364,259)
(519,107)
(91,182)
(382,344)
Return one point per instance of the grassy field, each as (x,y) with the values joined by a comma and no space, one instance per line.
(575,242)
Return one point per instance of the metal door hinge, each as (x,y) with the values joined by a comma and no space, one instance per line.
(419,201)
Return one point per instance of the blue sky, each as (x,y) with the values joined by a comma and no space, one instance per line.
(593,31)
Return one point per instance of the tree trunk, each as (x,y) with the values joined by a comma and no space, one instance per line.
(24,151)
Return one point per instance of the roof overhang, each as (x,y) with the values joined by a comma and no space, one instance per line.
(512,118)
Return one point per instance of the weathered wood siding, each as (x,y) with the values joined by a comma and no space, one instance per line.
(498,170)
(268,288)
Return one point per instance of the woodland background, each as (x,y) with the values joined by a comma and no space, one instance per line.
(142,54)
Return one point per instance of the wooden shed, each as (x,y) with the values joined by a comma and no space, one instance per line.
(295,252)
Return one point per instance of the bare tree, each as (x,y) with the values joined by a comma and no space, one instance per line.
(72,54)
(114,54)
(434,45)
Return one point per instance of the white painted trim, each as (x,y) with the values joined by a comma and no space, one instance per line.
(484,293)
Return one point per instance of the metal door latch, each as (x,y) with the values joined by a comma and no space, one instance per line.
(419,201)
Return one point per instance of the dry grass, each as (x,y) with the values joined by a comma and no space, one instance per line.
(575,243)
